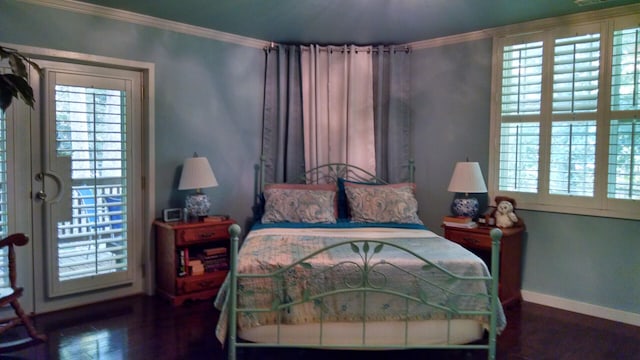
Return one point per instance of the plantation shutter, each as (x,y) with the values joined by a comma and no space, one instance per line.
(91,129)
(522,79)
(560,140)
(576,68)
(625,70)
(4,270)
(521,102)
(624,130)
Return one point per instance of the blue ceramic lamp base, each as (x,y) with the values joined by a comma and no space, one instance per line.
(197,205)
(468,206)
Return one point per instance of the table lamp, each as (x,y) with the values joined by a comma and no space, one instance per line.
(467,178)
(197,174)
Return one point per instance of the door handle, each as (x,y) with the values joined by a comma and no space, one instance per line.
(42,195)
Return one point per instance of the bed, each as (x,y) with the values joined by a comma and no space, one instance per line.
(342,261)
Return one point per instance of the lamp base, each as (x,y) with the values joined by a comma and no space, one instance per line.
(466,207)
(197,205)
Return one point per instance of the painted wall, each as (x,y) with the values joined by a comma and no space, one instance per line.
(585,259)
(208,99)
(208,94)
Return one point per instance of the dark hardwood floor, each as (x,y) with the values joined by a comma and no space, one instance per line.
(143,327)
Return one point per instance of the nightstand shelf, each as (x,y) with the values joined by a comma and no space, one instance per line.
(173,240)
(478,241)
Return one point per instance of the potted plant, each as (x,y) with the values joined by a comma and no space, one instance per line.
(16,83)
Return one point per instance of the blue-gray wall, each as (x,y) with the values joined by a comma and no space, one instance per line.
(586,259)
(208,99)
(208,94)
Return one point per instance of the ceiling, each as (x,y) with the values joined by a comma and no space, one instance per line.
(352,21)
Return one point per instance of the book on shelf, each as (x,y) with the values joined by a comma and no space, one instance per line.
(216,218)
(216,267)
(457,219)
(182,263)
(204,257)
(196,267)
(214,256)
(214,262)
(469,225)
(215,251)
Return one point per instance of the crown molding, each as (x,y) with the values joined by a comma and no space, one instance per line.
(145,20)
(529,26)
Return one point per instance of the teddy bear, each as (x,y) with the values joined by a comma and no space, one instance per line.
(505,217)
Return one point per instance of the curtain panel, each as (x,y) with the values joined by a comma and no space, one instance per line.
(337,105)
(392,112)
(282,137)
(297,98)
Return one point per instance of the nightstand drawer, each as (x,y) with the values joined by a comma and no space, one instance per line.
(469,239)
(188,236)
(200,282)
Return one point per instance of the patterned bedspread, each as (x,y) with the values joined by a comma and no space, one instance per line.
(375,264)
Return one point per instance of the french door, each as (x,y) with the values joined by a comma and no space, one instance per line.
(85,191)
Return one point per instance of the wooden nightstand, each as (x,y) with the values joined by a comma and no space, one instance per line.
(478,241)
(178,242)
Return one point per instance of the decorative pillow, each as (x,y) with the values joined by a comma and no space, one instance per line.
(343,204)
(299,203)
(327,187)
(394,203)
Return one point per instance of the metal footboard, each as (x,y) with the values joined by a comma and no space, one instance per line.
(367,262)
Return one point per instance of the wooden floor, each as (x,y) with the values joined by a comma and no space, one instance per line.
(143,327)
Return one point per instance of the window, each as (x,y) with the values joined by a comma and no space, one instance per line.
(566,123)
(624,131)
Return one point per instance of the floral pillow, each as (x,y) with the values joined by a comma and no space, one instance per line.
(299,203)
(394,203)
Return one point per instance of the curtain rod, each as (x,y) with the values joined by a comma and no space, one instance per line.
(373,48)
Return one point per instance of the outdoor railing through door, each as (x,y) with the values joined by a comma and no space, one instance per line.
(94,240)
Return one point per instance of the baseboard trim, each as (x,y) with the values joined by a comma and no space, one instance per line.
(582,308)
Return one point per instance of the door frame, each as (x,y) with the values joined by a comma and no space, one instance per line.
(24,204)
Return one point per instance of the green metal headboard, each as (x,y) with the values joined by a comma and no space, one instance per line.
(329,174)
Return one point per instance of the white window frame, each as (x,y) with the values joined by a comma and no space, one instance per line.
(599,204)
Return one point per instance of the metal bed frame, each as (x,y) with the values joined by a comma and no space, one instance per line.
(368,260)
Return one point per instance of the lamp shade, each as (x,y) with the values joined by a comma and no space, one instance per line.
(467,178)
(197,174)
